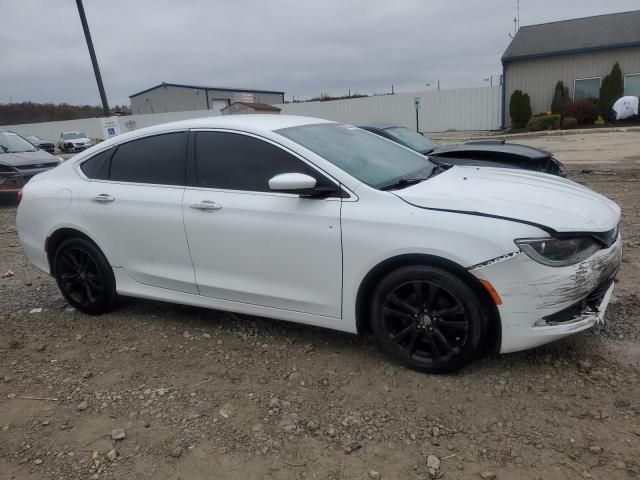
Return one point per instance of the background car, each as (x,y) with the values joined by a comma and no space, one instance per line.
(41,144)
(488,153)
(74,141)
(20,160)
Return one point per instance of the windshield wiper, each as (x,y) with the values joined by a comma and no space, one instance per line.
(402,183)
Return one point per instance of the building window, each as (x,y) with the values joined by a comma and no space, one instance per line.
(586,88)
(632,84)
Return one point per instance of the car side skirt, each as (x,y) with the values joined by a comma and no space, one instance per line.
(125,285)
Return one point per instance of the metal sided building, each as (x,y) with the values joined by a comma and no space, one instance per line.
(174,97)
(579,52)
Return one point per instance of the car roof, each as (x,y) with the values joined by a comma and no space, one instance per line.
(511,148)
(264,122)
(251,123)
(380,126)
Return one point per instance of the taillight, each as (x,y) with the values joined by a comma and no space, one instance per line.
(19,195)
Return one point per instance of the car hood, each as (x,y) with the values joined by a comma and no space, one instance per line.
(26,158)
(78,140)
(509,148)
(539,199)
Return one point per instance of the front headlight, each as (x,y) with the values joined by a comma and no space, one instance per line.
(559,252)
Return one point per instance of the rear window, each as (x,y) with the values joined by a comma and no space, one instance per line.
(97,167)
(157,160)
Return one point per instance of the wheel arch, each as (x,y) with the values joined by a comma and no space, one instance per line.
(58,236)
(373,277)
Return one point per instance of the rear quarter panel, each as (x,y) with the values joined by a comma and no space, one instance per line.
(49,203)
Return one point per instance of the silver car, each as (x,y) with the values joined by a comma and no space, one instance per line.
(74,141)
(20,160)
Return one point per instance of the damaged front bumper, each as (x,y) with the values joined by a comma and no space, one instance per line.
(541,304)
(13,179)
(10,181)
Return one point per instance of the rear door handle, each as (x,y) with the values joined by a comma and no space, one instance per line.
(206,205)
(103,198)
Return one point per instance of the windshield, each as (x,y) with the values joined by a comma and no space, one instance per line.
(13,143)
(368,157)
(412,139)
(72,135)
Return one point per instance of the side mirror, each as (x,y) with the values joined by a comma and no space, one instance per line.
(293,183)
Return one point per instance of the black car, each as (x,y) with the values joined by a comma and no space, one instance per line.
(487,153)
(41,144)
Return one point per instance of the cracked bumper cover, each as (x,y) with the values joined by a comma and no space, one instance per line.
(541,304)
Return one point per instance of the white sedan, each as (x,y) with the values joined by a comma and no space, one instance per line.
(74,141)
(326,224)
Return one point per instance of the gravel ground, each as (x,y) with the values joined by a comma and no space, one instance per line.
(160,391)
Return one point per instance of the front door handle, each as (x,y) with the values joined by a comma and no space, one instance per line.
(103,198)
(206,205)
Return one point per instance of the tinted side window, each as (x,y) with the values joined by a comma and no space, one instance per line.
(239,162)
(159,159)
(97,167)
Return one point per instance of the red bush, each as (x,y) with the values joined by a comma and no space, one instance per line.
(583,111)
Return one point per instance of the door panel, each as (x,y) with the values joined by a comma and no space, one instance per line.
(142,227)
(133,204)
(278,251)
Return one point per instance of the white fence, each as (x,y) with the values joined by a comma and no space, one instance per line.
(93,126)
(463,109)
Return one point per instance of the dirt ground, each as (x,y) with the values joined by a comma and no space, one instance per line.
(202,394)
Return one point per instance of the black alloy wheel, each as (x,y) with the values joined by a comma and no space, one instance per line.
(84,276)
(427,318)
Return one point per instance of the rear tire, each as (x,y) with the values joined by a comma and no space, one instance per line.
(84,276)
(428,319)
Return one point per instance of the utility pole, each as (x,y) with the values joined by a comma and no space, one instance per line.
(94,60)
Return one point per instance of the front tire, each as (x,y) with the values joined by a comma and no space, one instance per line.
(428,319)
(84,276)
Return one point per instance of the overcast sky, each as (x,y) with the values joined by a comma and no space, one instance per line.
(303,47)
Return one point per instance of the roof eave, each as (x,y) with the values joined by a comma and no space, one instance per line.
(506,59)
(202,87)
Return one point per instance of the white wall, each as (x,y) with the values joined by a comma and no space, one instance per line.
(93,126)
(463,109)
(51,131)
